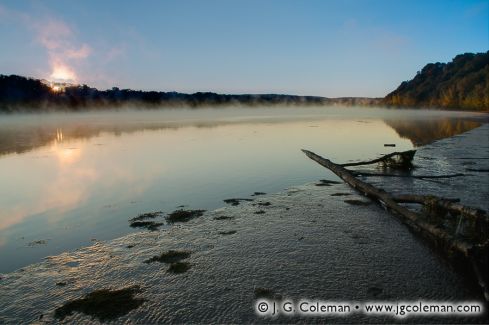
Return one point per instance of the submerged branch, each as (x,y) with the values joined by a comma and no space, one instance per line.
(421,199)
(448,204)
(364,174)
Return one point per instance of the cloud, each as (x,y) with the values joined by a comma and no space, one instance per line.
(53,34)
(59,39)
(81,53)
(65,52)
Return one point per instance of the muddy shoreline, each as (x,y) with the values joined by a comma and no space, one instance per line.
(303,243)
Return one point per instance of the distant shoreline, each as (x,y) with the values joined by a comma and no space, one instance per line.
(19,93)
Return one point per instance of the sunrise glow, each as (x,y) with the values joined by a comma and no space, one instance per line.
(63,73)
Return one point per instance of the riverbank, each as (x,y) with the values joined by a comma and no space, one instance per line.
(304,243)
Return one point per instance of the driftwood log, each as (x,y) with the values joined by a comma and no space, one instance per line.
(474,252)
(388,201)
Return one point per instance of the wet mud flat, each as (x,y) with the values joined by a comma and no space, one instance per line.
(303,243)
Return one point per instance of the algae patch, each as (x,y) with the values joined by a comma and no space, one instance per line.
(150,225)
(340,194)
(358,202)
(179,267)
(102,304)
(174,258)
(325,182)
(171,256)
(141,221)
(148,215)
(266,294)
(230,232)
(38,242)
(223,218)
(183,215)
(236,201)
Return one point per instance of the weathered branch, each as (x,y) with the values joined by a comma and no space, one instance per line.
(463,210)
(421,199)
(365,174)
(403,159)
(449,204)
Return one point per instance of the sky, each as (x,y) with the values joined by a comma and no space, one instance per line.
(304,47)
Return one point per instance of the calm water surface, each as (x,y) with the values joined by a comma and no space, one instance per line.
(69,179)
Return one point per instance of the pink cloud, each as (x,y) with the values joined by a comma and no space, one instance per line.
(53,34)
(65,52)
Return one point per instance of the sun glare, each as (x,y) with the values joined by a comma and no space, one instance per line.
(62,73)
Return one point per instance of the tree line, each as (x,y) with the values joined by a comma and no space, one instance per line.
(21,93)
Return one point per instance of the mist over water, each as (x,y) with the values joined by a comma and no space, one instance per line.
(68,179)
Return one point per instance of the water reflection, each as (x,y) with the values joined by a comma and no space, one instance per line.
(422,132)
(20,134)
(59,135)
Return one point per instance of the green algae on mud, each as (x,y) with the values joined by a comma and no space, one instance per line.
(179,267)
(340,194)
(230,232)
(147,215)
(236,201)
(176,216)
(266,294)
(358,202)
(38,242)
(170,256)
(140,221)
(184,215)
(150,225)
(174,258)
(326,182)
(223,218)
(103,304)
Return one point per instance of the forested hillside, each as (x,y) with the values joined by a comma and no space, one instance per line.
(460,84)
